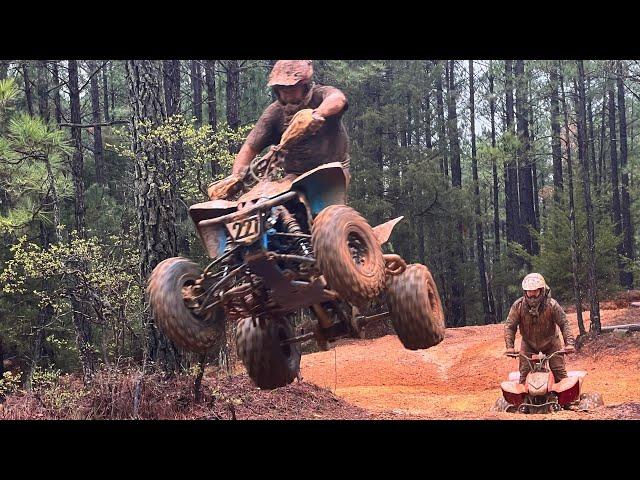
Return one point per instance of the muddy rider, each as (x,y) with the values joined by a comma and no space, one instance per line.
(537,315)
(325,139)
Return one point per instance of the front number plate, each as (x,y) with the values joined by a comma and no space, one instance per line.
(244,230)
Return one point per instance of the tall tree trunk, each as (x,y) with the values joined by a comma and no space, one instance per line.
(105,92)
(592,140)
(441,121)
(80,319)
(112,93)
(77,163)
(171,82)
(1,342)
(210,79)
(27,87)
(171,88)
(53,200)
(445,280)
(594,306)
(45,313)
(196,85)
(56,92)
(572,214)
(556,147)
(626,277)
(496,193)
(41,87)
(512,208)
(457,288)
(4,68)
(603,128)
(156,206)
(98,148)
(616,210)
(525,178)
(232,69)
(427,107)
(534,165)
(488,313)
(233,94)
(452,123)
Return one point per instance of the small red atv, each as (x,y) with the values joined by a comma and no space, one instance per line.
(541,393)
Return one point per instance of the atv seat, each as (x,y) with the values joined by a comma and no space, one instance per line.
(514,377)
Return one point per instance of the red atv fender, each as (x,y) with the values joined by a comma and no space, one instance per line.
(568,389)
(513,392)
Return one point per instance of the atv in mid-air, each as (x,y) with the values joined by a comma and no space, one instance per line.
(540,393)
(287,244)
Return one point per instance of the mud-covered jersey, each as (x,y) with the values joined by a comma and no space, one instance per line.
(538,332)
(329,144)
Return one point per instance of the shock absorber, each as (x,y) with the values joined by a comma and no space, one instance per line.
(291,225)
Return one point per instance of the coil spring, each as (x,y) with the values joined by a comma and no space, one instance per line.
(291,225)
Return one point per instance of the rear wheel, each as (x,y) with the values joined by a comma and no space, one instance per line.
(589,401)
(269,364)
(415,307)
(170,298)
(348,254)
(501,405)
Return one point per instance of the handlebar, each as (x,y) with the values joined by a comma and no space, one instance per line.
(536,356)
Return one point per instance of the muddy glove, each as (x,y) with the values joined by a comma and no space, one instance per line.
(225,188)
(569,349)
(303,123)
(510,351)
(316,123)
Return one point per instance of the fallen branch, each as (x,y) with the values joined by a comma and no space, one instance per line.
(632,327)
(93,125)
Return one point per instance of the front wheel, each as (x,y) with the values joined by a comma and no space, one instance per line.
(348,254)
(415,307)
(269,363)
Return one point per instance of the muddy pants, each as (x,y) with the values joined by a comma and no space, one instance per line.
(556,364)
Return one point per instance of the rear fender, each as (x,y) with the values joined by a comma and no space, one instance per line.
(323,186)
(513,392)
(568,390)
(578,373)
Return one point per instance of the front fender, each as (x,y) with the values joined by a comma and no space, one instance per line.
(383,231)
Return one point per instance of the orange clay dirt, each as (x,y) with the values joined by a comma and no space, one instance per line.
(460,378)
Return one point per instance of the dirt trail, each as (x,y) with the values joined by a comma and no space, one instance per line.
(460,377)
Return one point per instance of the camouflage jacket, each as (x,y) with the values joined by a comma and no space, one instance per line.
(537,332)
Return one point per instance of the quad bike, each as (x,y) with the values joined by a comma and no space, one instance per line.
(288,244)
(540,393)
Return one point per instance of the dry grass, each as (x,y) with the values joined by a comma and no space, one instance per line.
(131,395)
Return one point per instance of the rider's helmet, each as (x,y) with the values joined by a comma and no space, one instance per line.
(291,72)
(286,73)
(534,281)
